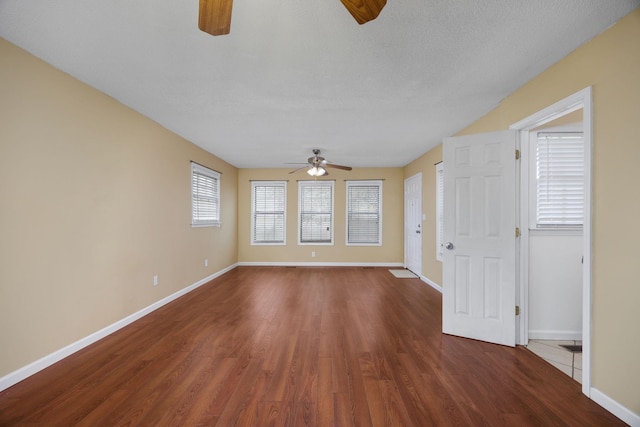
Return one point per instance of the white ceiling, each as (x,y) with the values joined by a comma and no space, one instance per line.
(294,75)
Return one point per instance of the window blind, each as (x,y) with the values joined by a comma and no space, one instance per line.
(316,212)
(205,196)
(269,207)
(364,211)
(559,179)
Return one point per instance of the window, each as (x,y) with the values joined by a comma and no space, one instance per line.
(268,201)
(205,196)
(364,212)
(439,210)
(559,181)
(315,202)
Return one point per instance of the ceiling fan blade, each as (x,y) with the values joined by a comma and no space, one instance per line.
(332,165)
(364,10)
(299,169)
(215,16)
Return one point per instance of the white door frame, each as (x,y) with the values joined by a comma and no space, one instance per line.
(579,100)
(408,230)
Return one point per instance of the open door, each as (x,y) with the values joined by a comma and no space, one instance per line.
(479,260)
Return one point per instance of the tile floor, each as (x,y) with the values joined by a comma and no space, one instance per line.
(568,362)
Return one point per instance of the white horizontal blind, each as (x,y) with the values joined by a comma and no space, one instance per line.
(316,211)
(205,196)
(559,179)
(269,207)
(364,212)
(439,210)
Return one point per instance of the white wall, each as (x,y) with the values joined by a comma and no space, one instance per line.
(555,285)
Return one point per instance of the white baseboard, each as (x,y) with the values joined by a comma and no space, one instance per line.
(48,360)
(537,334)
(431,283)
(615,408)
(320,264)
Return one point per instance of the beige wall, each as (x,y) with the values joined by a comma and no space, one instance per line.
(94,201)
(431,267)
(391,250)
(610,63)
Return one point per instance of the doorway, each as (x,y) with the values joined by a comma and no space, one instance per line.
(555,117)
(555,180)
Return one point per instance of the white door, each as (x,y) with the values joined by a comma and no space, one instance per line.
(479,271)
(413,223)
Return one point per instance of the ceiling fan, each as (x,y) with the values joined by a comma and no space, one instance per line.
(215,15)
(317,165)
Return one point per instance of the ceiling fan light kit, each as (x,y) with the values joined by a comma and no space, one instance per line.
(215,15)
(317,171)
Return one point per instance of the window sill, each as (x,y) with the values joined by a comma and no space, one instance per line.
(218,225)
(268,244)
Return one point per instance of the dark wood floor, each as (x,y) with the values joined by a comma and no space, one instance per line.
(299,346)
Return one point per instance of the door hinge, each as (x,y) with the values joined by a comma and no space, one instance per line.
(517,154)
(517,231)
(517,310)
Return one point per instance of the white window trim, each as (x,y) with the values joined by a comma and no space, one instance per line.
(439,211)
(255,184)
(202,170)
(533,192)
(368,183)
(302,184)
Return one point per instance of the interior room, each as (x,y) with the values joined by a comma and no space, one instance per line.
(198,223)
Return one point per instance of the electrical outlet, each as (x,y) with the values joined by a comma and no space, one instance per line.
(206,263)
(313,254)
(155,280)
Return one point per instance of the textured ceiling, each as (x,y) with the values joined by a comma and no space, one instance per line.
(294,75)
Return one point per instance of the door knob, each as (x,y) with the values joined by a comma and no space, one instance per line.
(448,246)
(418,231)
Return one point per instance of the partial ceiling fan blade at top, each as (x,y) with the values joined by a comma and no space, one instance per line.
(215,16)
(364,10)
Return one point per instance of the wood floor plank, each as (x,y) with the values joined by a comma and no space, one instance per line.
(205,410)
(373,392)
(306,346)
(325,392)
(267,415)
